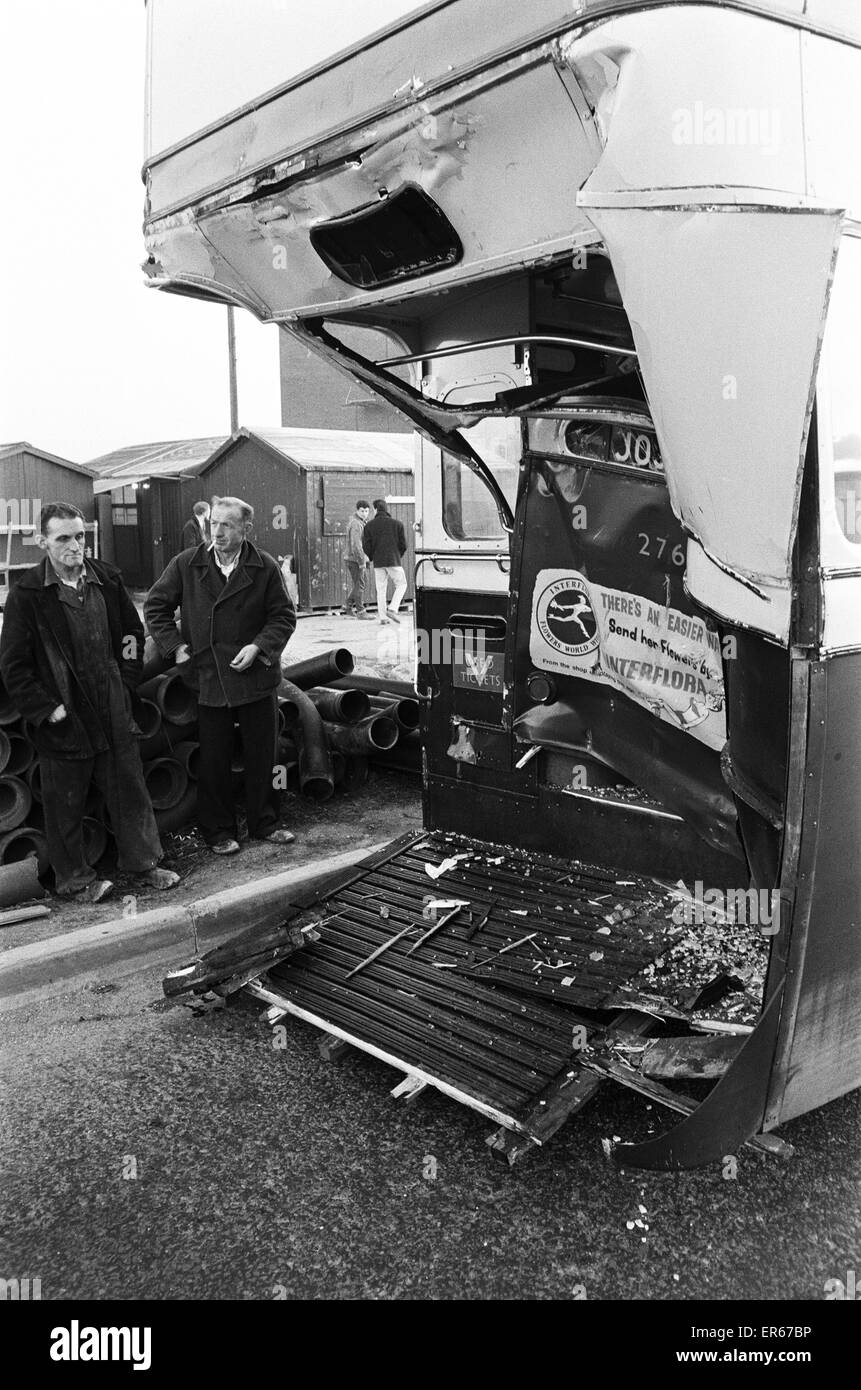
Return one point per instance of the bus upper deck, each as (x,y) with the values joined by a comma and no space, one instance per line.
(616,256)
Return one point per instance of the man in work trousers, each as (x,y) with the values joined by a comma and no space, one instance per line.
(235,620)
(385,545)
(70,653)
(357,562)
(196,529)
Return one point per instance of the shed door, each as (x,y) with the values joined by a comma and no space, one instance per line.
(169,542)
(127,537)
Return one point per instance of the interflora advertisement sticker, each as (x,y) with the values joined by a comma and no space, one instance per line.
(664,659)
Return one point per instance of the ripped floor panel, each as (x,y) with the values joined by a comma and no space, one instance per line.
(487,1004)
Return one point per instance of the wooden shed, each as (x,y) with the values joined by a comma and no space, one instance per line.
(302,483)
(30,477)
(145,494)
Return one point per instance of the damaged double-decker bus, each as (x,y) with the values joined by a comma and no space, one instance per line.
(613,250)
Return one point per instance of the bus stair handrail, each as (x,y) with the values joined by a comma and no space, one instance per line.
(436,558)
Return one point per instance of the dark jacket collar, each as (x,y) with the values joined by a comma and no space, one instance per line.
(51,576)
(35,578)
(249,555)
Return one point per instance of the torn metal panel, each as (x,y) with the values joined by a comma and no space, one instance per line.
(182,260)
(685,101)
(697,216)
(671,1059)
(731,1114)
(245,63)
(731,419)
(460,152)
(244,59)
(762,608)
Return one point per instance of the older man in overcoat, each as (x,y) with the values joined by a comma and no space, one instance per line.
(235,620)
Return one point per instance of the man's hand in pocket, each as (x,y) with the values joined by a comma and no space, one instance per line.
(58,714)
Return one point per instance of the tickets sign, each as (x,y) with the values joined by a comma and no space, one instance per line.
(664,659)
(479,672)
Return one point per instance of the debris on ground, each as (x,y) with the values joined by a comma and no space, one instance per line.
(723,964)
(437,870)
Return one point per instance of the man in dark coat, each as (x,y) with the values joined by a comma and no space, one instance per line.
(385,544)
(196,529)
(236,618)
(70,654)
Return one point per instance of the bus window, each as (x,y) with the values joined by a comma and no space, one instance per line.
(469,511)
(844,386)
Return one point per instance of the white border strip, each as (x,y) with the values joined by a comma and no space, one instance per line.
(268,996)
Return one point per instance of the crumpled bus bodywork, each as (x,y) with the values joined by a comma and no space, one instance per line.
(642,218)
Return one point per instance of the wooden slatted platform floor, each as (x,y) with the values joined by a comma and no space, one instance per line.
(496,1028)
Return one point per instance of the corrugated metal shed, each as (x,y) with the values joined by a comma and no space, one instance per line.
(342,449)
(171,458)
(308,448)
(11,451)
(302,483)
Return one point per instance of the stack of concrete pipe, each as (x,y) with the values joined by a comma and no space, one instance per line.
(166,712)
(326,737)
(363,721)
(331,726)
(23,850)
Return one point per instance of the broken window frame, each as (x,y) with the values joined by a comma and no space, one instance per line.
(442,423)
(406,228)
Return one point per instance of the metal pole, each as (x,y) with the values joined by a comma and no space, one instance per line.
(231,361)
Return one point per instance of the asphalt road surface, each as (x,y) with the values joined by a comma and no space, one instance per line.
(151,1153)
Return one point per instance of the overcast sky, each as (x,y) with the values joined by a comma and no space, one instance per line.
(89,358)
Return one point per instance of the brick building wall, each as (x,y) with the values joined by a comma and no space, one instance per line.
(316,396)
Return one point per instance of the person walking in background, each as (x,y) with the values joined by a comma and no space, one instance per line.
(357,562)
(70,654)
(236,618)
(385,544)
(196,529)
